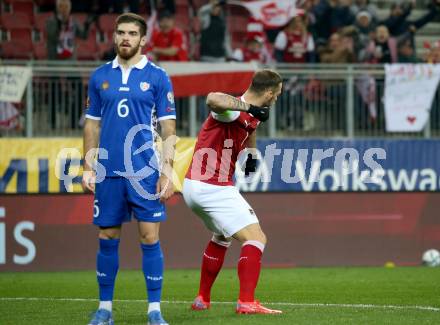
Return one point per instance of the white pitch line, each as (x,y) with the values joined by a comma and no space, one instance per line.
(290,304)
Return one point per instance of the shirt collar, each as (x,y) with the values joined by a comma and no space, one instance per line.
(140,65)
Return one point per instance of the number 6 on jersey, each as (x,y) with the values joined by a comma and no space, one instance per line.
(123,109)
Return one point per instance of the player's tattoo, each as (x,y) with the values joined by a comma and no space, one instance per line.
(235,103)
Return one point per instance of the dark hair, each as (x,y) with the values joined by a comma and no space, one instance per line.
(264,80)
(133,18)
(164,13)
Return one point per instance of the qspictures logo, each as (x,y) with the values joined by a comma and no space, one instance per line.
(20,239)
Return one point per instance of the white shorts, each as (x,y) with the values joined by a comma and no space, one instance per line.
(222,208)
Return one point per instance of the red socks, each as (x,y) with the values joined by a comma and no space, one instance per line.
(249,266)
(213,258)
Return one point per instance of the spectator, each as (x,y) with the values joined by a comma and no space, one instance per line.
(398,23)
(328,17)
(61,31)
(214,39)
(168,43)
(66,93)
(255,30)
(253,50)
(321,24)
(365,25)
(295,44)
(365,6)
(363,31)
(383,49)
(341,14)
(433,54)
(338,50)
(406,53)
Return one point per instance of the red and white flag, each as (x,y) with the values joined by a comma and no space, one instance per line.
(273,13)
(200,78)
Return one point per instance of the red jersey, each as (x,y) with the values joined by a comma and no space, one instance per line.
(249,55)
(174,38)
(218,146)
(297,47)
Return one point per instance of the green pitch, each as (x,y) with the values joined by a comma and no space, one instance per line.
(307,296)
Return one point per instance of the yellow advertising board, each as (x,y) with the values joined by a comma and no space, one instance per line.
(54,165)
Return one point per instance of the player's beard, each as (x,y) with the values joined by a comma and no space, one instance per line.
(127,53)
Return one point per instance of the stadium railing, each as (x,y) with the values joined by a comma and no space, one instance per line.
(317,101)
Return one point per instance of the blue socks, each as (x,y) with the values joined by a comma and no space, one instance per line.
(152,265)
(107,264)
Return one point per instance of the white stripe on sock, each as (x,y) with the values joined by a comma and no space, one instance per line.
(152,306)
(255,243)
(105,305)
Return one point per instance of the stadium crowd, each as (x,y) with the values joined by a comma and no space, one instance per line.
(327,31)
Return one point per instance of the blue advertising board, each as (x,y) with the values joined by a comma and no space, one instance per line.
(320,165)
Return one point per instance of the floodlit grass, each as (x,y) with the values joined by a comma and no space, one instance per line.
(306,295)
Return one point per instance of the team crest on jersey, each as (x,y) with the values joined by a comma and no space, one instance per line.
(144,86)
(170,97)
(105,85)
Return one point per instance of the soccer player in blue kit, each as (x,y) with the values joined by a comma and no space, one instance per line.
(126,98)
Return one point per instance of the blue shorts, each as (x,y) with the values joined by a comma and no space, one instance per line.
(116,200)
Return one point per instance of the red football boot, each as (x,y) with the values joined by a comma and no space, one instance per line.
(254,308)
(200,304)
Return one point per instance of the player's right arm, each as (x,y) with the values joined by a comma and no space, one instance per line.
(92,130)
(220,103)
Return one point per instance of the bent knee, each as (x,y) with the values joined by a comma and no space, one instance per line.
(262,238)
(149,238)
(109,233)
(256,236)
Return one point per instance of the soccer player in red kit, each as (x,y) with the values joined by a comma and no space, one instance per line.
(209,191)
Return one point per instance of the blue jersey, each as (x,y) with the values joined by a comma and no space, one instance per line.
(129,103)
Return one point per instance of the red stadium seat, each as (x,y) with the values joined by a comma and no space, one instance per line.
(104,47)
(182,21)
(20,35)
(24,6)
(16,20)
(199,3)
(40,51)
(107,22)
(182,9)
(80,18)
(237,23)
(238,39)
(40,20)
(87,49)
(16,50)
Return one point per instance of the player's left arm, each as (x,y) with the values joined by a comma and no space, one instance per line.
(166,115)
(165,183)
